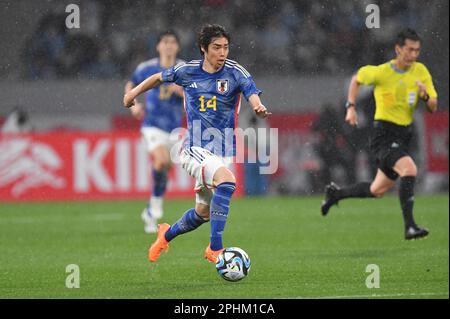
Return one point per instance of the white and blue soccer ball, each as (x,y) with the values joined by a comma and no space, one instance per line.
(233,264)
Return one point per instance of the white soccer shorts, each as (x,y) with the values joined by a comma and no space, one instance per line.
(202,165)
(155,137)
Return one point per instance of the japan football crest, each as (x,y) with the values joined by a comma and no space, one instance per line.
(222,86)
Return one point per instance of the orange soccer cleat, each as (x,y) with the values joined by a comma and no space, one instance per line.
(160,244)
(212,255)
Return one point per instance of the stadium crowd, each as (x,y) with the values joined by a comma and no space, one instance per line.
(284,37)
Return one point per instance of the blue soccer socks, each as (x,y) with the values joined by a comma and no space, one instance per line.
(188,222)
(220,206)
(159,182)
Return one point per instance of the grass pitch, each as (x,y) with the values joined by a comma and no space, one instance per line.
(295,252)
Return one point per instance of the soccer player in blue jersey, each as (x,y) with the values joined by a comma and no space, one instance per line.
(212,89)
(161,114)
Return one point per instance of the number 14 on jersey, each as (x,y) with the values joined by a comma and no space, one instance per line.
(210,104)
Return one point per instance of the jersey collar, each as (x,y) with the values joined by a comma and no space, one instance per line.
(393,67)
(215,73)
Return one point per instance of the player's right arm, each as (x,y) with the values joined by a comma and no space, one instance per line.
(148,84)
(137,110)
(352,117)
(367,75)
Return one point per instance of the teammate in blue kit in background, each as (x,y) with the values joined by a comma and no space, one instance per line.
(161,114)
(212,89)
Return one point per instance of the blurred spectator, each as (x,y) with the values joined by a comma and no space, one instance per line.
(80,53)
(333,148)
(46,47)
(16,122)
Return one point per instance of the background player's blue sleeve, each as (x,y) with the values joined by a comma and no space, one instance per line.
(248,86)
(138,76)
(173,74)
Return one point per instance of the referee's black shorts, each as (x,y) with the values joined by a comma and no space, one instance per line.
(389,142)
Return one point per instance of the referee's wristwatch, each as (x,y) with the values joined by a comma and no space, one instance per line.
(426,97)
(349,105)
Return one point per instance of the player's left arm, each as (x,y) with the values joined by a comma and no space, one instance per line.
(427,92)
(431,102)
(251,92)
(257,106)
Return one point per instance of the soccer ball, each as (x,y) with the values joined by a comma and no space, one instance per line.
(233,264)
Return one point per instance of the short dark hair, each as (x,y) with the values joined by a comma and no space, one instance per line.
(168,33)
(208,32)
(407,34)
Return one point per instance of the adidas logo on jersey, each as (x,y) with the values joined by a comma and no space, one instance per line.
(193,85)
(395,145)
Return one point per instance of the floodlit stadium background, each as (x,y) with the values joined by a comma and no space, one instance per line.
(84,145)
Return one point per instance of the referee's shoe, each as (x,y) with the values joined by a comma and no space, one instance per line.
(330,198)
(415,232)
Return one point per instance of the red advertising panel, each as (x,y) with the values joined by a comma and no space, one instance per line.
(83,166)
(436,141)
(295,141)
(297,160)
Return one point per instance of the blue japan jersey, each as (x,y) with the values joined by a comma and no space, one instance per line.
(163,109)
(212,102)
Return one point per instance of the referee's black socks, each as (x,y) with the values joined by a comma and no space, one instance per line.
(406,195)
(361,190)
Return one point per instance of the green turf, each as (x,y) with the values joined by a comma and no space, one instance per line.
(295,252)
